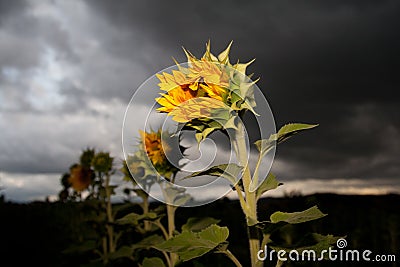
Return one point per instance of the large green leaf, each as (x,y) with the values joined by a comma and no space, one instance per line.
(148,242)
(121,207)
(310,214)
(176,195)
(291,129)
(196,224)
(230,171)
(153,262)
(284,133)
(189,245)
(122,252)
(269,183)
(320,243)
(134,218)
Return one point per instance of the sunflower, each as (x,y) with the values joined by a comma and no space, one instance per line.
(102,162)
(154,147)
(80,177)
(203,78)
(208,77)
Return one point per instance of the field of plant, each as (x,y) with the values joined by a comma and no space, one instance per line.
(55,234)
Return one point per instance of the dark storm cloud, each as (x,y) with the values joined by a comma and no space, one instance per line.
(26,35)
(363,144)
(335,63)
(10,8)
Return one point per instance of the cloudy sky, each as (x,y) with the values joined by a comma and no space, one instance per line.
(69,68)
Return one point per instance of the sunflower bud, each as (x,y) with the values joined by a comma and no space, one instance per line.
(102,162)
(87,157)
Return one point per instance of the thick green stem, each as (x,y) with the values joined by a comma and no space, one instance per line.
(232,258)
(250,197)
(163,230)
(145,206)
(256,170)
(167,258)
(171,229)
(171,220)
(105,250)
(110,219)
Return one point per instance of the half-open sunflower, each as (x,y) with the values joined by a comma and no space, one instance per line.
(208,77)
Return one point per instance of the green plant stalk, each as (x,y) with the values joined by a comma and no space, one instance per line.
(171,229)
(163,230)
(105,250)
(145,206)
(256,169)
(110,219)
(232,257)
(167,258)
(250,197)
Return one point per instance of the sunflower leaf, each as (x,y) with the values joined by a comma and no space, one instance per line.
(230,171)
(287,131)
(269,183)
(310,214)
(195,224)
(151,262)
(189,245)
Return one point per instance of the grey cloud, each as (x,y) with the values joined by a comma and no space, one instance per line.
(333,63)
(364,144)
(11,8)
(26,37)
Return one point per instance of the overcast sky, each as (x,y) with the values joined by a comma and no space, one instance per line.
(69,68)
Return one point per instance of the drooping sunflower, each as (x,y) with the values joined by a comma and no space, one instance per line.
(80,177)
(154,147)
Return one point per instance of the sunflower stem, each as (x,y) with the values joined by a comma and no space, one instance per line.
(145,206)
(110,219)
(232,257)
(250,197)
(171,229)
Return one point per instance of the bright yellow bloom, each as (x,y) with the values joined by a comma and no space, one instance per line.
(80,177)
(208,77)
(203,78)
(154,147)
